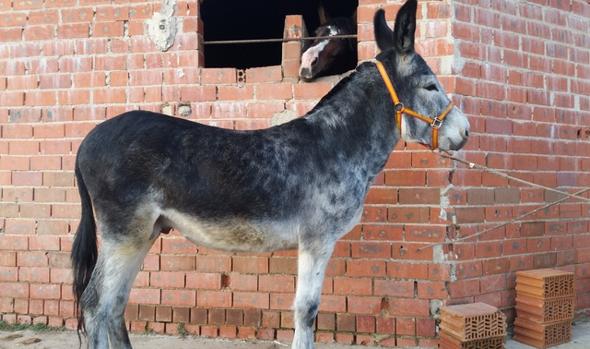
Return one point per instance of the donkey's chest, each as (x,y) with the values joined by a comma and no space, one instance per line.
(235,234)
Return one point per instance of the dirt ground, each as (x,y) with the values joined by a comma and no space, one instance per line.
(68,339)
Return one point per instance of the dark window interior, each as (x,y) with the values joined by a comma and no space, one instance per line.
(258,19)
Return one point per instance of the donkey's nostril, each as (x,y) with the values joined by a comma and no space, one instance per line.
(466,133)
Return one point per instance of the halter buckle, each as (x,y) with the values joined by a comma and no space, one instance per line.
(399,107)
(436,122)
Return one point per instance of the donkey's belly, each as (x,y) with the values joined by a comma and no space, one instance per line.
(235,234)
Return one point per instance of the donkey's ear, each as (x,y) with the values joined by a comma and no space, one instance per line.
(383,34)
(405,27)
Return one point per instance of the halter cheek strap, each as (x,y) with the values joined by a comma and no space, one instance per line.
(401,109)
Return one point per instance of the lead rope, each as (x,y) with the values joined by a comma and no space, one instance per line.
(567,195)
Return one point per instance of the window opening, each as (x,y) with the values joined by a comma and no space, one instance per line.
(259,19)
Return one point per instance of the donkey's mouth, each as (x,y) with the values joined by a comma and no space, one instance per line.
(306,74)
(451,144)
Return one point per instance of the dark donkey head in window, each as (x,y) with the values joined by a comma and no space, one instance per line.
(327,56)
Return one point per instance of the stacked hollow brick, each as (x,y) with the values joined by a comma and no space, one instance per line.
(544,307)
(472,326)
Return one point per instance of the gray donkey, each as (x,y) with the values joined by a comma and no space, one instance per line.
(297,185)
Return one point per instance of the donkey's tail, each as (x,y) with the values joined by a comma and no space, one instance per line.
(84,249)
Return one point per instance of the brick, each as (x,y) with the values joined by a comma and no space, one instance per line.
(448,341)
(8,274)
(234,317)
(181,298)
(167,279)
(264,74)
(216,317)
(235,92)
(211,281)
(11,34)
(365,324)
(198,316)
(112,13)
(242,282)
(542,335)
(44,243)
(417,196)
(463,288)
(311,91)
(350,286)
(365,268)
(545,283)
(214,299)
(146,312)
(45,291)
(408,214)
(8,258)
(39,32)
(274,91)
(140,11)
(544,311)
(107,96)
(252,317)
(370,250)
(473,321)
(213,263)
(144,296)
(432,290)
(218,76)
(407,270)
(177,263)
(276,283)
(251,300)
(250,264)
(71,31)
(283,265)
(163,313)
(264,109)
(246,333)
(364,304)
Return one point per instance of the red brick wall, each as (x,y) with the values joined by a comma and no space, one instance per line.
(70,64)
(523,77)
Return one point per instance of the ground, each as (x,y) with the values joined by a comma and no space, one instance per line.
(62,339)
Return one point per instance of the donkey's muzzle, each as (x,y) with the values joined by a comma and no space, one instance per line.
(458,145)
(305,74)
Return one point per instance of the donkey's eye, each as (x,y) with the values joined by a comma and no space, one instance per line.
(431,87)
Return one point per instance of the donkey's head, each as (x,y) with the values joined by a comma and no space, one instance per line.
(416,85)
(321,55)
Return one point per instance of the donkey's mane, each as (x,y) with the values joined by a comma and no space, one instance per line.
(344,82)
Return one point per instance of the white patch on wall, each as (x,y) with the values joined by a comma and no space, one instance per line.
(444,202)
(446,65)
(163,26)
(458,60)
(283,117)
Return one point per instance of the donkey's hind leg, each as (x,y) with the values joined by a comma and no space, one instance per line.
(106,296)
(312,262)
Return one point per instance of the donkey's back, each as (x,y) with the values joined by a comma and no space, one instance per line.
(201,168)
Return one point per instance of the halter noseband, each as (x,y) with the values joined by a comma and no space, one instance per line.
(401,109)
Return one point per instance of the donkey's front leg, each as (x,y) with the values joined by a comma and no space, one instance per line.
(313,258)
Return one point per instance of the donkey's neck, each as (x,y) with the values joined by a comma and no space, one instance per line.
(355,120)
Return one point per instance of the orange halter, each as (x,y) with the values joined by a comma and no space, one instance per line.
(400,109)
